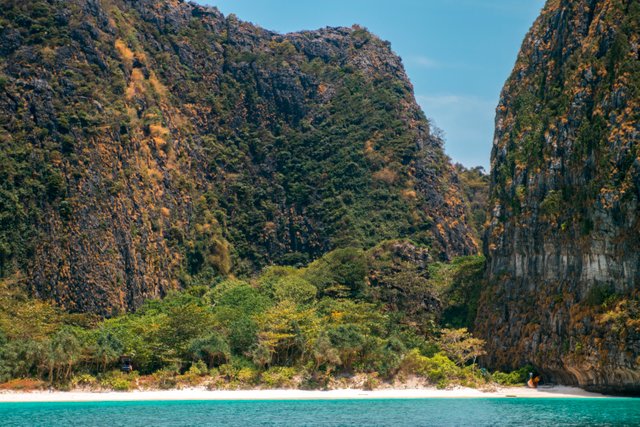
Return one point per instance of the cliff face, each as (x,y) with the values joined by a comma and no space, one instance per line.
(563,244)
(148,145)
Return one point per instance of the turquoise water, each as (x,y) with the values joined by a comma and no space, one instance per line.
(388,412)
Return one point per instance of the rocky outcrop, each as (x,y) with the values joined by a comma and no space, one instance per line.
(563,243)
(148,145)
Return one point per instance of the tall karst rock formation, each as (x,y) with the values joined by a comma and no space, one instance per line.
(563,244)
(147,145)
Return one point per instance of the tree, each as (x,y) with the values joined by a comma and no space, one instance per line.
(236,305)
(213,349)
(284,331)
(241,296)
(139,335)
(107,349)
(64,350)
(183,325)
(21,358)
(339,268)
(461,346)
(295,289)
(324,353)
(261,354)
(348,341)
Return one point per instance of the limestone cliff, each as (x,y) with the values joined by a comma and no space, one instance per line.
(563,243)
(149,145)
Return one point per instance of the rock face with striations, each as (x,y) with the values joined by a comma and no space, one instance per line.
(148,145)
(563,244)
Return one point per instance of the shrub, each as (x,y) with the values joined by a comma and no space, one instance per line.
(314,380)
(216,383)
(195,374)
(294,289)
(228,371)
(517,377)
(438,369)
(441,370)
(472,377)
(212,349)
(84,380)
(165,379)
(119,381)
(199,368)
(247,375)
(598,294)
(278,376)
(371,382)
(236,374)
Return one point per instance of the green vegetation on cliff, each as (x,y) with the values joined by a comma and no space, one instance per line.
(216,200)
(147,146)
(371,316)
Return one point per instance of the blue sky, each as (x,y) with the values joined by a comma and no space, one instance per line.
(458,53)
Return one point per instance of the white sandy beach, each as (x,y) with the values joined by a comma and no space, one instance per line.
(203,394)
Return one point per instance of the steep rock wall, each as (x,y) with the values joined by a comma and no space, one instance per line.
(149,145)
(563,243)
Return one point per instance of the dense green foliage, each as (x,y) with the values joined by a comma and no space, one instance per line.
(460,282)
(302,327)
(517,377)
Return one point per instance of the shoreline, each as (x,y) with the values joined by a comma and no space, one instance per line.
(202,394)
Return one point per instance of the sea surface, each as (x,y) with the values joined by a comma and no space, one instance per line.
(378,412)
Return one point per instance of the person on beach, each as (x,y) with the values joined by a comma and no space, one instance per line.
(533,381)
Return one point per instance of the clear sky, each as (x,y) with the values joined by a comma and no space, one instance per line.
(458,53)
